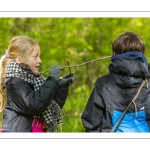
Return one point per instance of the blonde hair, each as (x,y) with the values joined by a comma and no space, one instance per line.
(20,46)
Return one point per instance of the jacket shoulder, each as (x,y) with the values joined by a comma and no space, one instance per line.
(104,79)
(15,82)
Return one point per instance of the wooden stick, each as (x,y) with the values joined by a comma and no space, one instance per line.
(68,65)
(81,64)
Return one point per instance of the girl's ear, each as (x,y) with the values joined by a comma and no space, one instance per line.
(18,60)
(114,53)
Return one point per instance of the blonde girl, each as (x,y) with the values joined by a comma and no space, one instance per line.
(29,101)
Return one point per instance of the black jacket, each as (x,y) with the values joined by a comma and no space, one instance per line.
(23,102)
(113,92)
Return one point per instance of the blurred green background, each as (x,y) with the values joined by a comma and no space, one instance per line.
(79,40)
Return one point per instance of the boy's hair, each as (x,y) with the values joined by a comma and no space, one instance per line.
(128,41)
(20,46)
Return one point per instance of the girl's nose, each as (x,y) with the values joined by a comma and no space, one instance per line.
(40,61)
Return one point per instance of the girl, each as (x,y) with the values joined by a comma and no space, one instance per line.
(34,103)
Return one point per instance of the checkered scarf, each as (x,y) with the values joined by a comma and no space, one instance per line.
(53,115)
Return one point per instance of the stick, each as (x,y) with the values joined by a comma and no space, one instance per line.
(68,65)
(81,64)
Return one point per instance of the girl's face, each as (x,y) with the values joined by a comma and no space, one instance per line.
(34,61)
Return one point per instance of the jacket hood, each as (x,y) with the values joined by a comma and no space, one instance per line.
(128,72)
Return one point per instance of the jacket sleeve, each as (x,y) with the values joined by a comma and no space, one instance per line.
(61,95)
(23,98)
(93,113)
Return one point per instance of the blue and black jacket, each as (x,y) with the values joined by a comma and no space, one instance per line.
(111,95)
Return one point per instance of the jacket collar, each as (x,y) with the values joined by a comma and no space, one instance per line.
(131,54)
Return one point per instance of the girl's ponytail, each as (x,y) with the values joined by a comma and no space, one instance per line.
(3,62)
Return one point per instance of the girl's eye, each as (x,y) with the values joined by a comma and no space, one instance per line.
(35,56)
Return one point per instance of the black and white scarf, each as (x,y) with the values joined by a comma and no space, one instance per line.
(53,115)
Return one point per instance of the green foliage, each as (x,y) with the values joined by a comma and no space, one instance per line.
(79,40)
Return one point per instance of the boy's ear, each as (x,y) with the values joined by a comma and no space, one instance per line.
(18,60)
(114,53)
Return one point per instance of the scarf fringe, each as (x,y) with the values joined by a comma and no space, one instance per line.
(53,116)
